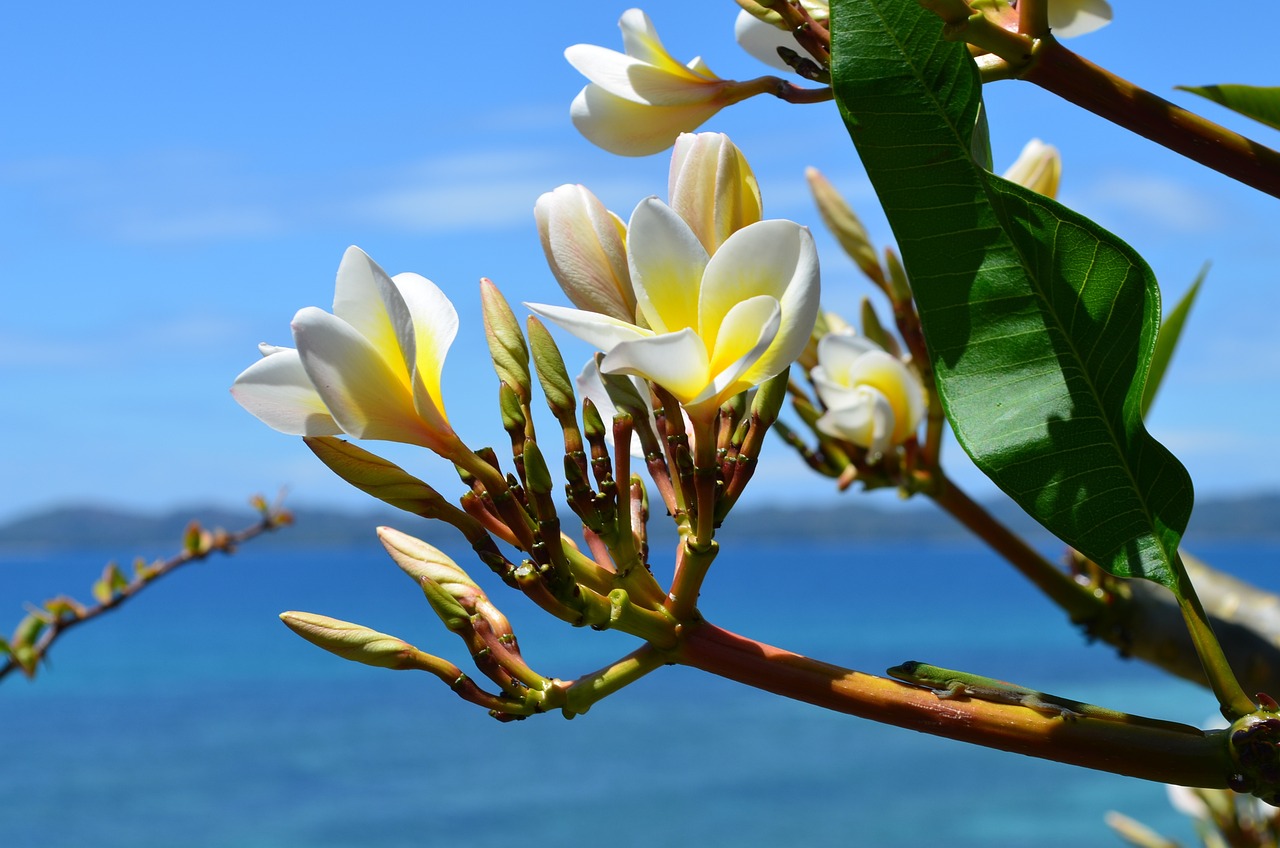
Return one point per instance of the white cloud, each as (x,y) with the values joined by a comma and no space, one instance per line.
(151,226)
(437,206)
(195,196)
(113,345)
(1152,198)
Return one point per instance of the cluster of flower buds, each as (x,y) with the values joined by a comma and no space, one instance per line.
(466,611)
(698,308)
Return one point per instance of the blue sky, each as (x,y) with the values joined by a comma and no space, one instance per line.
(178,180)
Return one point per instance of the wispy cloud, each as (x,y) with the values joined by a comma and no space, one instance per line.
(153,197)
(466,190)
(113,345)
(1136,197)
(193,196)
(150,226)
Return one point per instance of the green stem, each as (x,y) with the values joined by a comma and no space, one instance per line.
(580,694)
(692,565)
(1071,77)
(1144,748)
(1222,680)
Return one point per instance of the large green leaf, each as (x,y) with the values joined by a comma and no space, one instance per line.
(1257,102)
(1040,323)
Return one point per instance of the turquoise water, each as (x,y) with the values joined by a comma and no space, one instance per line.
(194,718)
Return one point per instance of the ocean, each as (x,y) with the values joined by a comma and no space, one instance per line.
(193,717)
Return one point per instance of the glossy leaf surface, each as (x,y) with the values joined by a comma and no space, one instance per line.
(1040,324)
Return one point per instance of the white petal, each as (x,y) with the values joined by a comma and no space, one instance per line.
(640,40)
(626,128)
(744,336)
(434,324)
(367,398)
(837,353)
(1188,802)
(774,258)
(360,299)
(863,417)
(277,390)
(669,84)
(1038,167)
(667,264)
(762,40)
(1070,18)
(600,331)
(898,384)
(675,361)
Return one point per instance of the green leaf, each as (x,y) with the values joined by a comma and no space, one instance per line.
(1040,323)
(1167,340)
(1262,103)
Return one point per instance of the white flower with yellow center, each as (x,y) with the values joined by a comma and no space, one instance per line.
(639,100)
(710,186)
(712,325)
(873,400)
(371,369)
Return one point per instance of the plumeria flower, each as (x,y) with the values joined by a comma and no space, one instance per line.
(585,245)
(710,186)
(1038,167)
(639,100)
(873,400)
(712,325)
(371,369)
(762,39)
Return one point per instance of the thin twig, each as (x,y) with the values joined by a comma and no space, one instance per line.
(199,545)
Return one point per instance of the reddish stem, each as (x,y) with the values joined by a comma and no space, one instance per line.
(1144,748)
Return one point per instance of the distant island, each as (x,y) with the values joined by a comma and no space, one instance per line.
(1252,518)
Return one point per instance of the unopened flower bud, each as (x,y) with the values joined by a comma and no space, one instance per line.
(506,343)
(1038,167)
(352,641)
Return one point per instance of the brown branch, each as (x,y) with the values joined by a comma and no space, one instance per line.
(1137,747)
(198,545)
(1074,78)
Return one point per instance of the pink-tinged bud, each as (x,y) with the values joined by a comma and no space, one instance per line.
(586,247)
